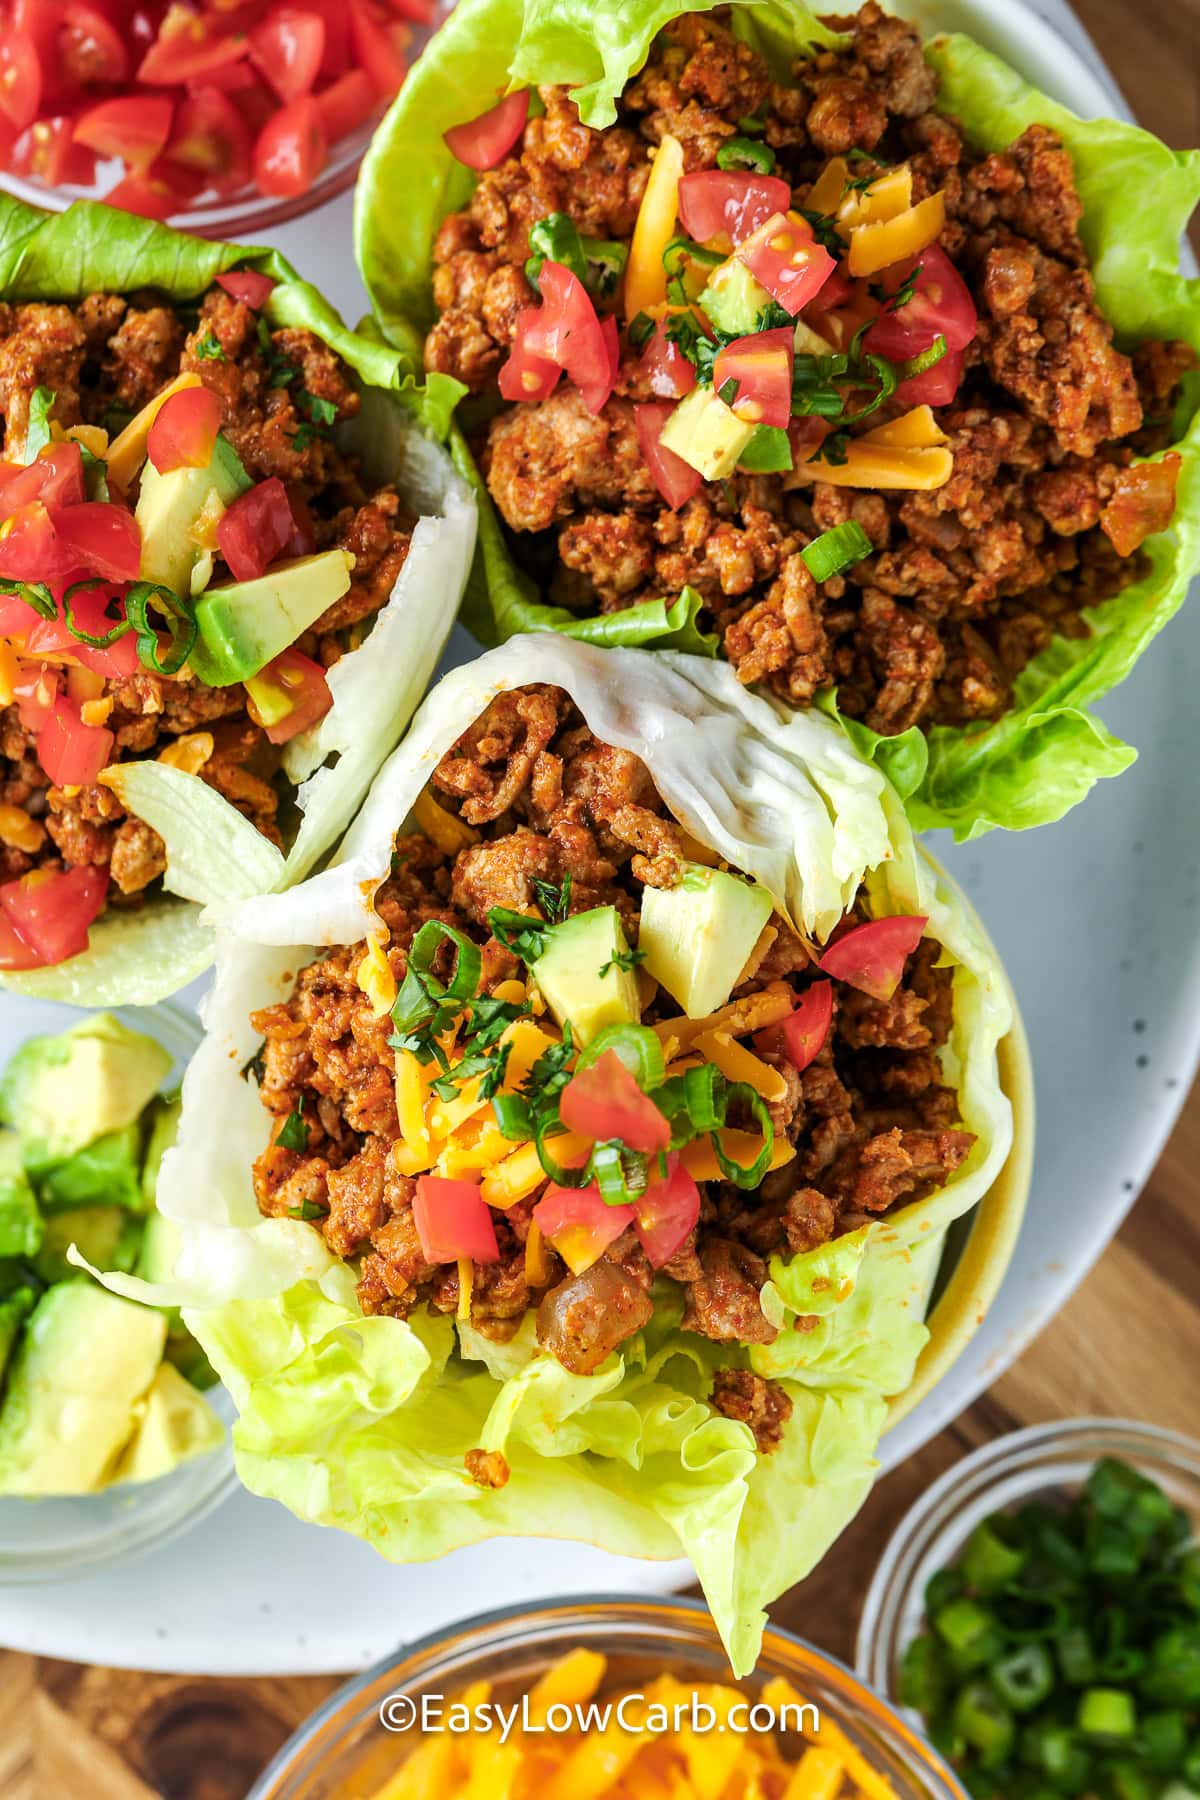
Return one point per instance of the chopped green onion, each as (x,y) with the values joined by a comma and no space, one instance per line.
(943,1586)
(1024,1679)
(836,549)
(640,330)
(984,1721)
(1163,1740)
(637,1046)
(989,1563)
(468,966)
(178,615)
(922,1678)
(682,250)
(925,359)
(1107,1713)
(513,1116)
(744,153)
(33,593)
(98,641)
(596,262)
(1075,1657)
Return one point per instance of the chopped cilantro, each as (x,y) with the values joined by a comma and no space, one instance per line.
(208,348)
(728,391)
(554,898)
(255,1065)
(824,228)
(293,1134)
(624,959)
(524,936)
(308,1210)
(37,432)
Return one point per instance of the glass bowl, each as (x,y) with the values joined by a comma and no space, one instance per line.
(344,1752)
(1043,1462)
(47,1539)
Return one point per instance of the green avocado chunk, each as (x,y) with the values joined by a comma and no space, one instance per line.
(106,1172)
(86,1361)
(698,935)
(169,507)
(176,1423)
(15,1307)
(706,433)
(60,1093)
(245,625)
(164,1124)
(581,977)
(20,1221)
(109,1237)
(733,299)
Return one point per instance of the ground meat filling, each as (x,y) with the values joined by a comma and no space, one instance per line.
(872,1121)
(967,583)
(105,359)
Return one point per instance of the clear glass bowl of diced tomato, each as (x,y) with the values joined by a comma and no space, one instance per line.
(224,116)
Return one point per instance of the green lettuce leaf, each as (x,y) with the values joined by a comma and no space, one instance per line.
(213,854)
(363,1423)
(1038,761)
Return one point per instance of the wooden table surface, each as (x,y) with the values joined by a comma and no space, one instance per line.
(69,1732)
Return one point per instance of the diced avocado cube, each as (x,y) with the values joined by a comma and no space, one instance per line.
(61,1092)
(176,1423)
(246,624)
(706,433)
(170,507)
(733,299)
(105,1173)
(586,975)
(15,1308)
(697,936)
(20,1220)
(164,1124)
(109,1237)
(85,1362)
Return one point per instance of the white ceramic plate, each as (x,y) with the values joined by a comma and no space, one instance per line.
(1096,918)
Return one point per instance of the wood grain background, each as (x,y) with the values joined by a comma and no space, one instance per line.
(70,1732)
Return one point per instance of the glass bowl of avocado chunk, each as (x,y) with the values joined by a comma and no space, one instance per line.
(110,1418)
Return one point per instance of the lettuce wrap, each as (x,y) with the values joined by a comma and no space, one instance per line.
(364,1422)
(213,852)
(1030,764)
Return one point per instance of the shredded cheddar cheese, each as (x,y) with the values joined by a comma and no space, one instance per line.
(126,454)
(879,244)
(914,430)
(411,1094)
(189,752)
(92,437)
(645,276)
(95,712)
(825,194)
(375,978)
(636,1746)
(10,673)
(870,465)
(442,828)
(886,198)
(740,1064)
(700,1159)
(19,831)
(466,1282)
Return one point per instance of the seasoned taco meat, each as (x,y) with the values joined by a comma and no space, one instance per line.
(963,584)
(529,804)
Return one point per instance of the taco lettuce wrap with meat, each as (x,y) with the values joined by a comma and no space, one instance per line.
(231,552)
(590,1129)
(871,369)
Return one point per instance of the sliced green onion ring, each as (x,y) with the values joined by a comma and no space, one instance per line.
(837,549)
(33,593)
(180,618)
(119,630)
(468,965)
(638,1048)
(917,365)
(744,153)
(733,1171)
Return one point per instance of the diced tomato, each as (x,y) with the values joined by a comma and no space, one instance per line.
(288,696)
(453,1220)
(871,957)
(94,610)
(184,432)
(484,142)
(348,103)
(103,539)
(291,150)
(15,953)
(785,258)
(31,549)
(566,330)
(579,1224)
(802,1034)
(940,306)
(806,435)
(16,618)
(188,47)
(231,78)
(666,1212)
(91,51)
(248,286)
(288,47)
(133,127)
(52,912)
(837,287)
(936,386)
(335,57)
(256,529)
(71,752)
(664,366)
(47,152)
(55,477)
(20,78)
(526,375)
(605,1101)
(212,138)
(761,365)
(675,480)
(713,202)
(419,11)
(1143,502)
(303,540)
(376,46)
(36,696)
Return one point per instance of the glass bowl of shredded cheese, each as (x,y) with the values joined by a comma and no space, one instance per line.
(606,1698)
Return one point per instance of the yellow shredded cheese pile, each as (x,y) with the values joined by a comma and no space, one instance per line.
(615,1760)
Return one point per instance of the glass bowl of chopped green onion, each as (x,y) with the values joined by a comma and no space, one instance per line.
(112,1437)
(1037,1613)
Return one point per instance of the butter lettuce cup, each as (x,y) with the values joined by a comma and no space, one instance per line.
(231,550)
(590,1130)
(851,358)
(113,1436)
